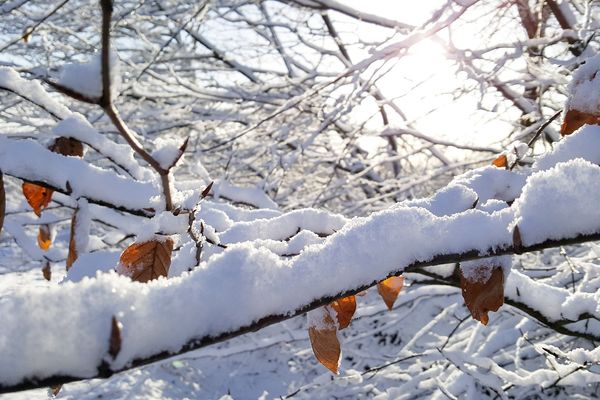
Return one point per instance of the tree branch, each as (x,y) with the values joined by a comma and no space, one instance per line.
(104,370)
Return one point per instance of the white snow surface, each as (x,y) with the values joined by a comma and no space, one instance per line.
(559,203)
(86,77)
(584,89)
(166,152)
(32,90)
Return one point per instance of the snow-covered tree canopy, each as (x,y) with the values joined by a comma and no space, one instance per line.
(206,169)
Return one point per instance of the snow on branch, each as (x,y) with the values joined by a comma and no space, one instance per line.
(76,177)
(246,288)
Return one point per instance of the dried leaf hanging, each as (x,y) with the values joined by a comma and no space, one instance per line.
(37,196)
(344,308)
(114,343)
(72,255)
(44,237)
(501,161)
(575,119)
(322,332)
(389,288)
(146,261)
(482,291)
(46,271)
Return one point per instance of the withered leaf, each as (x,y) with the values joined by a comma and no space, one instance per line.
(67,146)
(37,196)
(44,237)
(148,260)
(483,296)
(517,240)
(46,271)
(114,343)
(344,309)
(2,201)
(389,288)
(72,255)
(325,343)
(501,161)
(575,119)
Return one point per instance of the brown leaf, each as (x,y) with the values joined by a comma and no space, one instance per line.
(46,271)
(501,161)
(67,146)
(517,240)
(114,343)
(2,201)
(575,119)
(344,310)
(44,237)
(483,296)
(389,288)
(72,255)
(37,196)
(146,261)
(324,342)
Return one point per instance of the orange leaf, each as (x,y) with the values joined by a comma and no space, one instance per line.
(324,341)
(575,119)
(389,288)
(72,255)
(501,161)
(146,261)
(2,201)
(344,308)
(44,238)
(37,196)
(482,295)
(67,146)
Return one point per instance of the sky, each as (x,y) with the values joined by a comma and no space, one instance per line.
(426,70)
